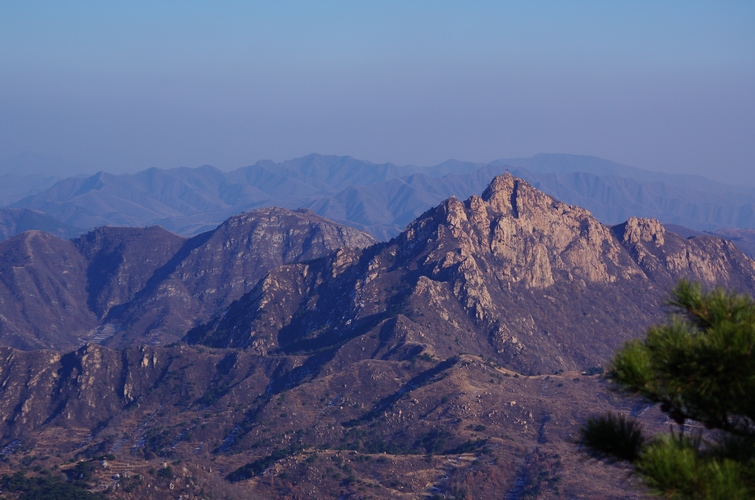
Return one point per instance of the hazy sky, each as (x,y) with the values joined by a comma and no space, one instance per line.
(123,86)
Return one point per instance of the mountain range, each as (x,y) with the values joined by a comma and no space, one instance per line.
(379,198)
(282,355)
(15,221)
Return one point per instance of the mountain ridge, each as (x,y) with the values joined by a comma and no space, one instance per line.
(116,282)
(383,198)
(479,257)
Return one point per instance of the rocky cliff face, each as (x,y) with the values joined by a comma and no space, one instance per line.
(514,275)
(85,387)
(664,257)
(142,285)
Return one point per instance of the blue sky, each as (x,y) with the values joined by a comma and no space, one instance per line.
(123,86)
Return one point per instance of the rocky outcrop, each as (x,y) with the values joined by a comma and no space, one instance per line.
(427,423)
(667,257)
(91,385)
(526,237)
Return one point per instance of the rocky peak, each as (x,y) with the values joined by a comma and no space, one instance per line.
(520,235)
(665,256)
(285,225)
(638,229)
(512,196)
(127,285)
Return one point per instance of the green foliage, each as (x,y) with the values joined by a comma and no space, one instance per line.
(676,467)
(699,366)
(433,441)
(45,488)
(258,466)
(613,436)
(165,472)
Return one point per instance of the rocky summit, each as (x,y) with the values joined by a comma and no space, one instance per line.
(457,360)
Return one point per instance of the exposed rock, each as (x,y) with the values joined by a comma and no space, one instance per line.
(638,230)
(213,269)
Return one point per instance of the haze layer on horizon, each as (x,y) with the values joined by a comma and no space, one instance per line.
(665,86)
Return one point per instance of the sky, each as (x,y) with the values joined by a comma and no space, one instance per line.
(124,86)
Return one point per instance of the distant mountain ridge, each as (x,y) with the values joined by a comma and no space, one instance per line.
(15,221)
(14,187)
(382,198)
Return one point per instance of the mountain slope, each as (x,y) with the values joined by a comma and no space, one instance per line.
(227,428)
(43,292)
(53,292)
(121,260)
(744,239)
(16,186)
(176,197)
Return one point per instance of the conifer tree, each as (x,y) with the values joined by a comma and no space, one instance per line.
(698,367)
